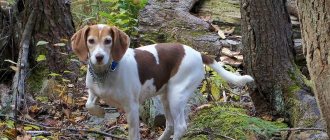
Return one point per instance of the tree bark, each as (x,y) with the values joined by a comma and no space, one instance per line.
(268,47)
(51,22)
(315,28)
(268,56)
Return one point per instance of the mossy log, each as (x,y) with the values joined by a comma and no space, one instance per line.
(171,21)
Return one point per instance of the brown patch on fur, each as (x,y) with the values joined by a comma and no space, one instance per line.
(170,57)
(78,43)
(120,43)
(206,59)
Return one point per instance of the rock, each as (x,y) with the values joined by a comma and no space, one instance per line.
(152,112)
(292,7)
(5,99)
(307,116)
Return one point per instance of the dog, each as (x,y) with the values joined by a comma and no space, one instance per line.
(124,77)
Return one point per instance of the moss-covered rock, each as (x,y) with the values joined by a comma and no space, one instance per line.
(232,121)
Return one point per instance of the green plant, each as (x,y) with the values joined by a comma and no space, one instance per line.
(124,14)
(213,85)
(120,13)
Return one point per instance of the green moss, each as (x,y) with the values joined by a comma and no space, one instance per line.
(222,10)
(233,122)
(293,89)
(35,79)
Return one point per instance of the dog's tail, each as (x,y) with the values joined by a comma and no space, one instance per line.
(228,76)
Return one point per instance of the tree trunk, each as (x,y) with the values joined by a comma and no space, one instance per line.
(268,53)
(51,22)
(268,56)
(315,29)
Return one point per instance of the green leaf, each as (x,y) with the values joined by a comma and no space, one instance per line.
(65,80)
(10,123)
(54,74)
(27,128)
(40,43)
(42,99)
(41,58)
(67,71)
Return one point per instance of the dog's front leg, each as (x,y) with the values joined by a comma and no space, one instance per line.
(91,106)
(132,113)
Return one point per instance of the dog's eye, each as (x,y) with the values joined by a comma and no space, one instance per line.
(91,41)
(107,41)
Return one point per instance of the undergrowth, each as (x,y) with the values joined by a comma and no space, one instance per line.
(231,121)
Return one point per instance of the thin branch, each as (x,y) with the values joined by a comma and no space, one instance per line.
(208,133)
(63,129)
(302,129)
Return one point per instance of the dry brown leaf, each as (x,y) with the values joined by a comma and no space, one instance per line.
(14,68)
(267,117)
(229,31)
(216,27)
(204,106)
(25,137)
(239,57)
(67,112)
(34,109)
(227,52)
(221,34)
(79,119)
(230,61)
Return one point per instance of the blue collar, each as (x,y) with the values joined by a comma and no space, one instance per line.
(114,65)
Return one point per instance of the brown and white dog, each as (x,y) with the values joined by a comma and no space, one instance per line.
(125,77)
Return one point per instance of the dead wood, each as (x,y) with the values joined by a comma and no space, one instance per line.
(22,64)
(171,21)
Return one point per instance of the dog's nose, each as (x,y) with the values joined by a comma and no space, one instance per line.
(99,57)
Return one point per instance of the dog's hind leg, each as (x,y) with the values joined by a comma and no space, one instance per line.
(92,107)
(169,130)
(178,95)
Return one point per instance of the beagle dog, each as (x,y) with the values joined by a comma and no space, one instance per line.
(124,77)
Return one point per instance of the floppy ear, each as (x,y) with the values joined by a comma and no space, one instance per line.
(79,44)
(120,43)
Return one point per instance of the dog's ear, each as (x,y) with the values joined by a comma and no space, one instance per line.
(79,44)
(120,43)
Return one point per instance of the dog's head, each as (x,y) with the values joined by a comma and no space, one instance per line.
(103,43)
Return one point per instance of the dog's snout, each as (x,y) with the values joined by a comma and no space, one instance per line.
(99,57)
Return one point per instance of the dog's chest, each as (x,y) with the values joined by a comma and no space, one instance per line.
(108,94)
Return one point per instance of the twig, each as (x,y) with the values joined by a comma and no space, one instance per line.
(65,129)
(22,64)
(302,129)
(38,133)
(208,133)
(93,131)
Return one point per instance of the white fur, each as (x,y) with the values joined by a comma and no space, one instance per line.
(123,90)
(101,51)
(101,26)
(152,50)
